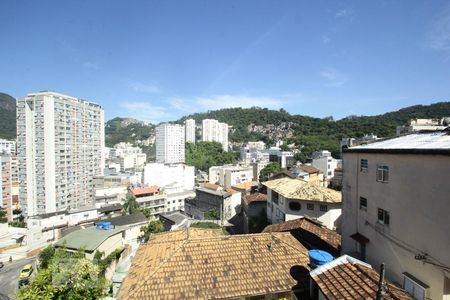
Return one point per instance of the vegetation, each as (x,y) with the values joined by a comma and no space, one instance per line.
(7,117)
(3,218)
(67,276)
(210,225)
(212,214)
(45,256)
(269,170)
(104,263)
(203,155)
(130,206)
(126,130)
(152,227)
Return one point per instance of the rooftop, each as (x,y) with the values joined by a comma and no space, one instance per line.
(309,169)
(90,238)
(127,219)
(255,197)
(311,227)
(246,185)
(420,143)
(191,264)
(176,217)
(302,190)
(145,191)
(349,278)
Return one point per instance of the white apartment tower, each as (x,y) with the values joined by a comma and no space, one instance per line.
(60,141)
(190,130)
(215,131)
(170,143)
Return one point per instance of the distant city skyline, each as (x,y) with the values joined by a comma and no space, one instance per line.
(159,61)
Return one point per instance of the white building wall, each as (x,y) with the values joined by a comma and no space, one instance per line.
(190,130)
(416,197)
(163,175)
(8,147)
(170,143)
(214,131)
(60,142)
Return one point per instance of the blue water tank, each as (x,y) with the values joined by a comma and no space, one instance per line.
(318,258)
(106,225)
(99,225)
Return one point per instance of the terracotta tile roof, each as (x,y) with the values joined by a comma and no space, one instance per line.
(302,190)
(349,278)
(188,264)
(231,191)
(246,185)
(309,169)
(145,191)
(310,231)
(211,186)
(255,197)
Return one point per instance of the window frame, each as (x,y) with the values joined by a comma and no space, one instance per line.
(309,205)
(361,206)
(295,203)
(386,218)
(323,207)
(415,285)
(273,198)
(382,170)
(364,168)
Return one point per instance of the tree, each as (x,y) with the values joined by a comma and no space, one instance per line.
(46,256)
(212,214)
(130,205)
(269,170)
(67,276)
(3,218)
(152,227)
(203,155)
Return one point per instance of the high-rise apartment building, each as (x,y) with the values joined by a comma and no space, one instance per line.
(170,143)
(190,130)
(5,185)
(60,141)
(215,131)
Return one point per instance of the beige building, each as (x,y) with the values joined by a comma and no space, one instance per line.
(396,210)
(289,199)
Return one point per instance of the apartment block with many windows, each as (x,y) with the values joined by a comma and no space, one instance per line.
(170,143)
(60,141)
(396,210)
(215,131)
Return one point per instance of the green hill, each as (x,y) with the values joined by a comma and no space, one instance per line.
(7,116)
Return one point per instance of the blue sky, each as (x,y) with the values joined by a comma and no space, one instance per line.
(160,60)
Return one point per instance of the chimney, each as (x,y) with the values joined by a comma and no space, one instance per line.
(381,284)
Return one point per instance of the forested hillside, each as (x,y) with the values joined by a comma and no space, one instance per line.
(7,116)
(314,133)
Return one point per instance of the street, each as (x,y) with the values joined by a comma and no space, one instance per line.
(9,276)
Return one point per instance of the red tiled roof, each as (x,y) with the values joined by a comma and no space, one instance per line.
(144,191)
(245,185)
(349,278)
(212,186)
(310,169)
(309,225)
(231,191)
(255,197)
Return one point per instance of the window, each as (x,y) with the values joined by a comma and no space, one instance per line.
(323,207)
(294,206)
(383,173)
(310,206)
(383,216)
(364,165)
(414,286)
(362,203)
(274,196)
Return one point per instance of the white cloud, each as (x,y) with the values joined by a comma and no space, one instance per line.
(344,13)
(226,101)
(151,88)
(334,77)
(148,112)
(439,37)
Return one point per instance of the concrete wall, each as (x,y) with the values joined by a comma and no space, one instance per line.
(417,199)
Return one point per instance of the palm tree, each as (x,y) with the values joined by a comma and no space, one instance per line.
(130,205)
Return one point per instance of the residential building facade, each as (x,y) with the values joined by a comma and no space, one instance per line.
(170,143)
(6,202)
(7,147)
(190,130)
(215,131)
(162,175)
(396,210)
(230,175)
(60,141)
(289,199)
